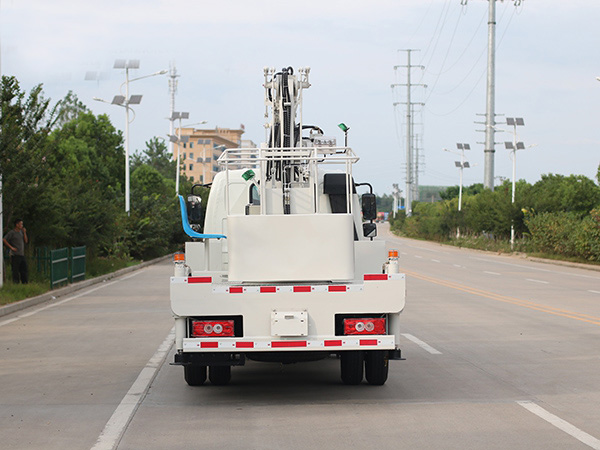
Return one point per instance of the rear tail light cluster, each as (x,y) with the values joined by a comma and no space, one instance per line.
(212,328)
(364,326)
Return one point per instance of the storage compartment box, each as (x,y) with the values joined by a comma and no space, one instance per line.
(295,247)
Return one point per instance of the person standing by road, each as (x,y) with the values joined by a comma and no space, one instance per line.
(15,240)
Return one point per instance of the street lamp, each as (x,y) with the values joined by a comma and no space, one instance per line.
(396,203)
(462,164)
(513,147)
(179,139)
(124,101)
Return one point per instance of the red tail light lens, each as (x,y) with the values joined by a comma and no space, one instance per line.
(364,326)
(212,328)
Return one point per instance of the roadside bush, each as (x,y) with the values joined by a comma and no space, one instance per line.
(587,237)
(553,232)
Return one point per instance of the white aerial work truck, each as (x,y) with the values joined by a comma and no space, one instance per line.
(283,269)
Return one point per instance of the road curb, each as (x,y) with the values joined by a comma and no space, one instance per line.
(564,263)
(61,292)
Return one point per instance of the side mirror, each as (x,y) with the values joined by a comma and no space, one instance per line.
(369,206)
(369,230)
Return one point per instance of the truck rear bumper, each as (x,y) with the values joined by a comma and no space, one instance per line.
(267,344)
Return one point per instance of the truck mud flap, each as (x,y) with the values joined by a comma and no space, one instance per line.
(209,359)
(396,355)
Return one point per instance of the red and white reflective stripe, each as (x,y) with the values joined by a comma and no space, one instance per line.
(330,343)
(193,280)
(376,277)
(224,289)
(218,288)
(383,276)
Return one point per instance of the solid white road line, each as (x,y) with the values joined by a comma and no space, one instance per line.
(594,292)
(422,344)
(117,424)
(561,424)
(537,281)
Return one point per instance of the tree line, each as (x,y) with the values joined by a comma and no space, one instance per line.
(557,215)
(63,171)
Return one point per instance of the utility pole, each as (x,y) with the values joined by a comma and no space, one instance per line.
(513,147)
(172,91)
(1,210)
(490,116)
(410,177)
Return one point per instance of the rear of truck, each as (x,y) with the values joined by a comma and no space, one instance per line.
(285,270)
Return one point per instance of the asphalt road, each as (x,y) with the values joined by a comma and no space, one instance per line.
(500,353)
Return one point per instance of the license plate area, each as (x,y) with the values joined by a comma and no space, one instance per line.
(289,323)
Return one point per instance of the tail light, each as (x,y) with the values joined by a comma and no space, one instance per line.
(212,328)
(364,326)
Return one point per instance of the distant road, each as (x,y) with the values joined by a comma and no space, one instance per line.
(501,353)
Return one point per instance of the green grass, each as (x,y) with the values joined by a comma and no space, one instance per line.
(10,292)
(101,266)
(40,283)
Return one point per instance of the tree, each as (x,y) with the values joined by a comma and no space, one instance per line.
(69,109)
(573,193)
(156,155)
(25,122)
(83,201)
(453,191)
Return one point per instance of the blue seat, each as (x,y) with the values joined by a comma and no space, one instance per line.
(188,229)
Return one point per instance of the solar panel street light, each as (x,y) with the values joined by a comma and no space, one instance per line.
(179,115)
(513,147)
(125,101)
(135,100)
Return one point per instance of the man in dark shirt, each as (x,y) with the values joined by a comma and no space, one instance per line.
(15,240)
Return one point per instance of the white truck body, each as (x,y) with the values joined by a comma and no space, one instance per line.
(292,272)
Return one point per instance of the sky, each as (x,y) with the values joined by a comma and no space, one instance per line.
(547,61)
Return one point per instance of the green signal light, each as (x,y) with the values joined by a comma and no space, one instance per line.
(248,175)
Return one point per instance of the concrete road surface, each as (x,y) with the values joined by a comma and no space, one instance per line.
(501,353)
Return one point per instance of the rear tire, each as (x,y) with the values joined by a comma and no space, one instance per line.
(352,366)
(219,375)
(376,366)
(194,375)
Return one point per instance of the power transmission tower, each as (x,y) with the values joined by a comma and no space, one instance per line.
(418,155)
(410,165)
(490,116)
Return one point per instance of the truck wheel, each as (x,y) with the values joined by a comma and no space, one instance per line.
(194,375)
(352,366)
(376,367)
(219,375)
